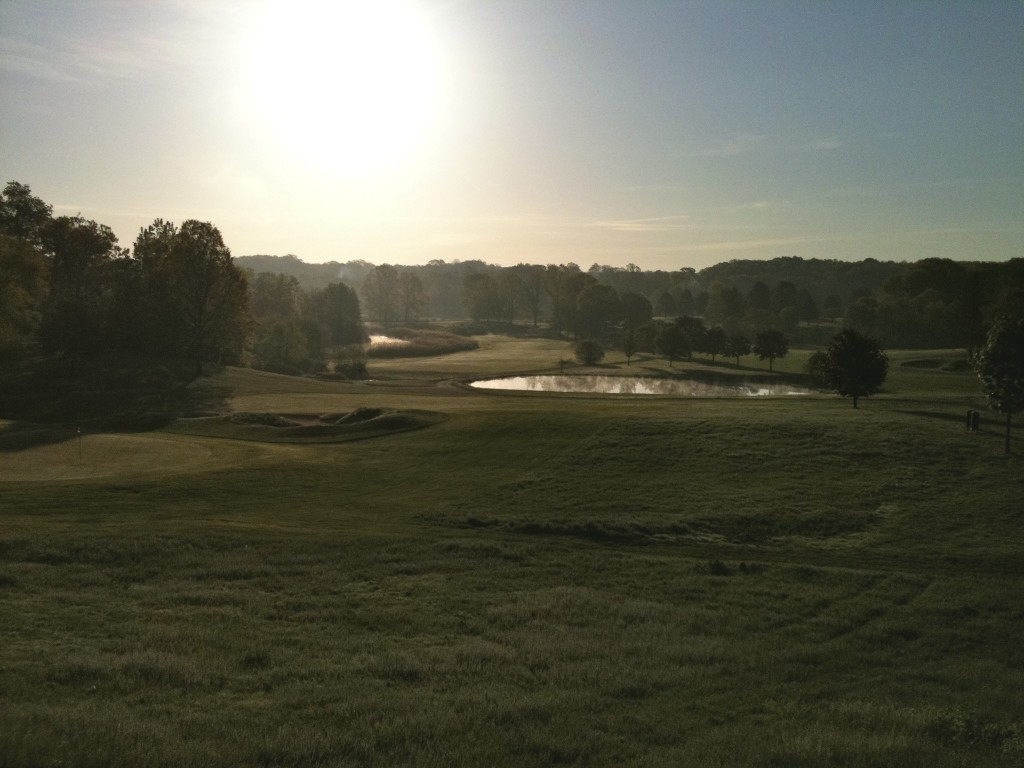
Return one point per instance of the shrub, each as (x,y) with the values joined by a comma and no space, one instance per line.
(589,352)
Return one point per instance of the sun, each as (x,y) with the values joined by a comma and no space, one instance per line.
(354,88)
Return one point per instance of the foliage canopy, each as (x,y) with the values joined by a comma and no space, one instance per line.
(854,365)
(1000,366)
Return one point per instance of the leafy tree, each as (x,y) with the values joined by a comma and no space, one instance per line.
(714,342)
(725,302)
(694,331)
(280,346)
(737,345)
(769,345)
(808,306)
(279,343)
(564,283)
(665,304)
(481,297)
(273,296)
(22,214)
(23,287)
(208,298)
(510,287)
(597,307)
(1000,366)
(531,279)
(685,303)
(80,254)
(785,295)
(589,351)
(759,296)
(195,299)
(411,296)
(854,365)
(380,292)
(636,310)
(833,307)
(335,309)
(862,314)
(673,343)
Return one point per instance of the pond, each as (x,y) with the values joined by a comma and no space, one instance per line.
(639,385)
(379,340)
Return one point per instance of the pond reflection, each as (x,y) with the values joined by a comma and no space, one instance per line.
(638,385)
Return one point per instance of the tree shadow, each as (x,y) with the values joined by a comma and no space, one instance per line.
(42,410)
(953,418)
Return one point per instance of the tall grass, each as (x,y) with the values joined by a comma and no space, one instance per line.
(420,342)
(534,581)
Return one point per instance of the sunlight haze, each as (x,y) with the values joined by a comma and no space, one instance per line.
(665,134)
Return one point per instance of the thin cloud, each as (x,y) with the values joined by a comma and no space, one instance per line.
(651,224)
(130,42)
(739,144)
(745,245)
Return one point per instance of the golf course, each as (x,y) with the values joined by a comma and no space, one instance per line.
(408,571)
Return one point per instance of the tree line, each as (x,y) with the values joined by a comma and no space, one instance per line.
(69,291)
(932,303)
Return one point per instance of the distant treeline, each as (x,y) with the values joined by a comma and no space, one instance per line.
(930,303)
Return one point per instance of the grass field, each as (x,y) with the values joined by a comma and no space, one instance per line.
(522,579)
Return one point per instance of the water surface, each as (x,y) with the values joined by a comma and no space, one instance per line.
(637,385)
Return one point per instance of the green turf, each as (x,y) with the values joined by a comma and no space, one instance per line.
(534,580)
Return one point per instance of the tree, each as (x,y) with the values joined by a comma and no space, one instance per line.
(589,352)
(629,344)
(1000,366)
(22,214)
(672,343)
(273,296)
(279,346)
(725,302)
(597,307)
(636,310)
(769,345)
(736,345)
(759,296)
(22,290)
(510,287)
(380,292)
(278,343)
(564,283)
(784,295)
(80,254)
(714,342)
(693,331)
(481,297)
(411,297)
(335,310)
(194,305)
(209,296)
(531,279)
(854,365)
(665,304)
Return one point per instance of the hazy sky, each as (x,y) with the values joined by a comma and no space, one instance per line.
(666,134)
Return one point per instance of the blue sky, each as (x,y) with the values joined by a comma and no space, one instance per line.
(666,134)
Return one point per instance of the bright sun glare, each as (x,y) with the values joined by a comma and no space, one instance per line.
(354,87)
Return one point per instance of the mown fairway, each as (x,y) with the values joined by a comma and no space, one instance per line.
(535,580)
